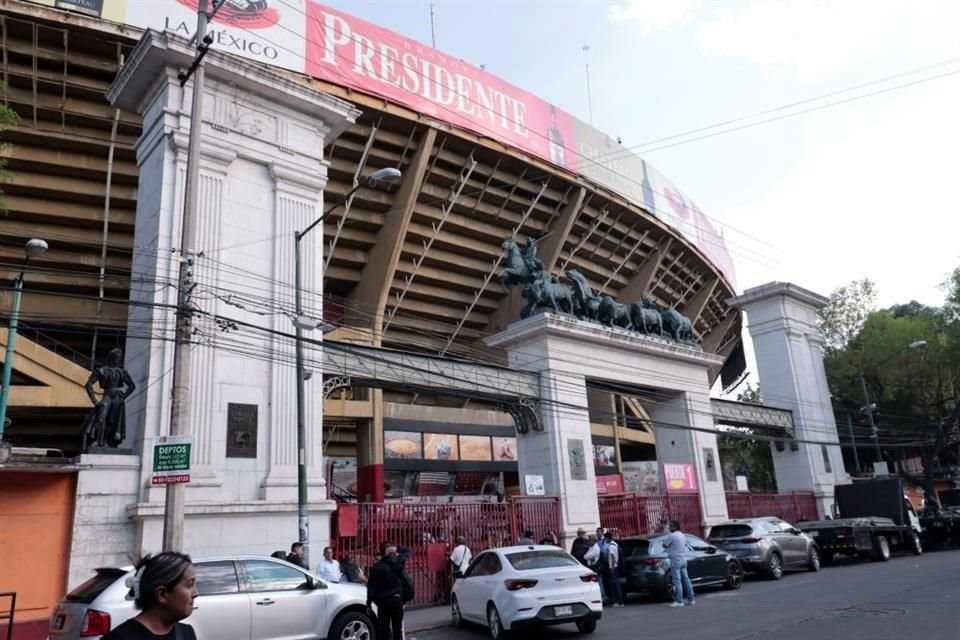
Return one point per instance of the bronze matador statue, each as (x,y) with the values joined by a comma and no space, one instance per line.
(105,425)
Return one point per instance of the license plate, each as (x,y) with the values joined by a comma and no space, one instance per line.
(562,611)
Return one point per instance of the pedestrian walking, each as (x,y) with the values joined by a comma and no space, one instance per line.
(676,546)
(329,569)
(580,546)
(460,558)
(610,566)
(296,555)
(389,588)
(163,589)
(527,538)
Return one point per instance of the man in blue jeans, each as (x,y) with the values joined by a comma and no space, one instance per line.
(676,546)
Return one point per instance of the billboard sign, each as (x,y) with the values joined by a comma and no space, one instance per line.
(309,37)
(680,478)
(171,460)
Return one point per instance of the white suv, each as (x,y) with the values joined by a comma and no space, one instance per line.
(241,598)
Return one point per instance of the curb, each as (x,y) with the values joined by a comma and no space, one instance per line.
(429,627)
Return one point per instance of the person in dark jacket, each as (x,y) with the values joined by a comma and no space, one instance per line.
(385,589)
(580,546)
(296,555)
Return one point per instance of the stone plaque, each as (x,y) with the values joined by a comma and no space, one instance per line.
(578,459)
(241,430)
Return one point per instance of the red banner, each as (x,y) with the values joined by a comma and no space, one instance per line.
(353,53)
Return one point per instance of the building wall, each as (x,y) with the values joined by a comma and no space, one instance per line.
(36,516)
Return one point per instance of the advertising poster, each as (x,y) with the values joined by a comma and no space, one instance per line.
(611,484)
(504,449)
(642,477)
(440,446)
(475,448)
(680,478)
(402,444)
(534,486)
(604,455)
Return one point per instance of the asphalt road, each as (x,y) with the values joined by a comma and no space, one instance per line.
(907,598)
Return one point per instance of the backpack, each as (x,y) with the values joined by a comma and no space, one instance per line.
(603,563)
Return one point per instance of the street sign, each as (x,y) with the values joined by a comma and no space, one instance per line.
(171,460)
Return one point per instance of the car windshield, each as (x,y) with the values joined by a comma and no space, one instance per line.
(531,560)
(634,548)
(731,531)
(89,590)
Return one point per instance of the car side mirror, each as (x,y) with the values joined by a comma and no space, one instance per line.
(313,583)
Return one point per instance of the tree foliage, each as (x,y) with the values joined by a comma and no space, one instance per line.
(744,456)
(8,119)
(908,359)
(844,315)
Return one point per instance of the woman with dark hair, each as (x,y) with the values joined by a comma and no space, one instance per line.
(163,589)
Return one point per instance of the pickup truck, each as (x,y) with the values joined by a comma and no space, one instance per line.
(871,518)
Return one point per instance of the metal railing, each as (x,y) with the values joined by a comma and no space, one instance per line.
(430,531)
(8,614)
(631,514)
(792,507)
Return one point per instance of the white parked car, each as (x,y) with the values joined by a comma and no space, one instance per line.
(526,586)
(241,598)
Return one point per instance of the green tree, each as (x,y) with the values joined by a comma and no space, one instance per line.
(8,119)
(845,313)
(743,455)
(915,389)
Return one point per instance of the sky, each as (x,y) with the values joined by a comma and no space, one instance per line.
(865,188)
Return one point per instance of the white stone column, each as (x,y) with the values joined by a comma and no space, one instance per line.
(262,175)
(298,201)
(782,319)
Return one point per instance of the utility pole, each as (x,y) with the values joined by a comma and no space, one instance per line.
(586,64)
(173,512)
(433,33)
(853,440)
(873,425)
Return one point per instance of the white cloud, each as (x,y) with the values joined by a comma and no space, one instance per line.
(651,16)
(816,35)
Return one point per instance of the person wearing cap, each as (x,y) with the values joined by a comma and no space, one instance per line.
(580,546)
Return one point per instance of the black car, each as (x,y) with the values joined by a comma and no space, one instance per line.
(644,566)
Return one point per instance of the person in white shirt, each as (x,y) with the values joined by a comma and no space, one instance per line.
(329,569)
(460,557)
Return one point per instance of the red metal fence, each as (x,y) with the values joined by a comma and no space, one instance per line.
(430,531)
(631,514)
(792,507)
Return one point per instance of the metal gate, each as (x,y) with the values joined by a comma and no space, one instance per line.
(631,514)
(430,531)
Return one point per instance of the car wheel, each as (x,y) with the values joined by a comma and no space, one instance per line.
(775,566)
(813,559)
(351,626)
(587,625)
(455,613)
(734,576)
(881,549)
(494,624)
(917,546)
(668,593)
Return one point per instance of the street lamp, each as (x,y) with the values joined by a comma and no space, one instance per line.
(33,248)
(868,407)
(303,323)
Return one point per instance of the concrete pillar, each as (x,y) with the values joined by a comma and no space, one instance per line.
(262,177)
(782,319)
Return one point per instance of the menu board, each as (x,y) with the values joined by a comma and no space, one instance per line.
(440,446)
(505,449)
(475,448)
(402,444)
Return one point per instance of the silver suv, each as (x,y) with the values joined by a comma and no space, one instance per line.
(766,545)
(241,598)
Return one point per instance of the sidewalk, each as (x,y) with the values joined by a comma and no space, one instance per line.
(418,620)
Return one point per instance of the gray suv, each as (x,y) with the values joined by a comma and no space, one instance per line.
(241,598)
(766,545)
